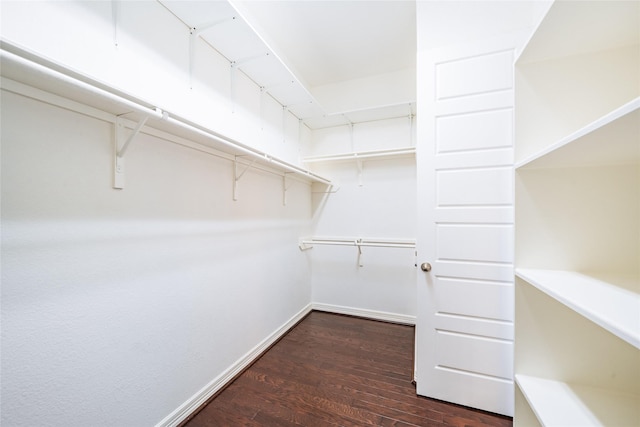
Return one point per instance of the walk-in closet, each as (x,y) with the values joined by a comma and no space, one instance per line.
(188,186)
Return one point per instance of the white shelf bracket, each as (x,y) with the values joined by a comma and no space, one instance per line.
(115,12)
(121,149)
(237,177)
(411,120)
(284,123)
(263,92)
(285,187)
(193,37)
(358,243)
(353,147)
(359,166)
(232,85)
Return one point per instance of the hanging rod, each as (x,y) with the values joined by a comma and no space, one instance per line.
(45,71)
(49,74)
(309,242)
(192,127)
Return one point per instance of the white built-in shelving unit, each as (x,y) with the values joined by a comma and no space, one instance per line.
(362,116)
(577,352)
(224,27)
(358,157)
(32,75)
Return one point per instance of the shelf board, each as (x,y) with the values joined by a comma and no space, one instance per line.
(561,404)
(28,74)
(405,109)
(236,39)
(611,139)
(612,302)
(580,27)
(363,155)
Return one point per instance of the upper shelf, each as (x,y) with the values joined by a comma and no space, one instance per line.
(609,140)
(573,28)
(226,27)
(222,25)
(614,303)
(378,112)
(362,155)
(29,69)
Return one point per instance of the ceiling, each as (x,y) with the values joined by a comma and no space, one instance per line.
(326,42)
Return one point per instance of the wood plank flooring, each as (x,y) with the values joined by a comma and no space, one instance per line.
(334,370)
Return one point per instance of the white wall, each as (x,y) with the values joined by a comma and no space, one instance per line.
(383,207)
(118,306)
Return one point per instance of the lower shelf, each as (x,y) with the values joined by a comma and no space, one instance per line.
(613,303)
(560,404)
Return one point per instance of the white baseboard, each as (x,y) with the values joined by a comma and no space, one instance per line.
(370,314)
(187,408)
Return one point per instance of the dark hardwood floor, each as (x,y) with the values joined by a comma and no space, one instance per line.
(333,370)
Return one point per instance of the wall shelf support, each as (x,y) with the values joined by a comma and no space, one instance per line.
(411,121)
(121,149)
(284,123)
(359,166)
(285,188)
(263,92)
(115,12)
(353,146)
(236,176)
(358,243)
(68,89)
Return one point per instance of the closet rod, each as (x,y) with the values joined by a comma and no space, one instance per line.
(46,71)
(360,243)
(191,127)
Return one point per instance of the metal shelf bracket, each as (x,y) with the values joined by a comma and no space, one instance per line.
(359,166)
(285,187)
(236,176)
(115,14)
(358,243)
(121,149)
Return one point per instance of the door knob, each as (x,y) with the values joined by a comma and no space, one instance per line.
(425,266)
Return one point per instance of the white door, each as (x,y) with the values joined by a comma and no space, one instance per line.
(464,331)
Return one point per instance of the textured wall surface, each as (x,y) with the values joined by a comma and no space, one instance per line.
(119,305)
